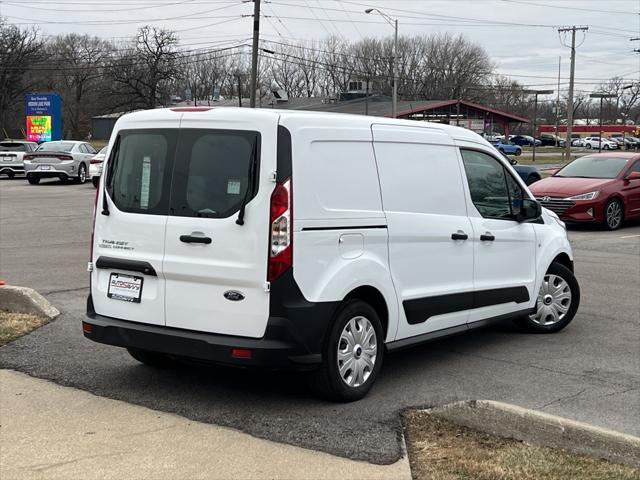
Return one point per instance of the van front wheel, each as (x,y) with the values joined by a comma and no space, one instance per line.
(152,359)
(353,353)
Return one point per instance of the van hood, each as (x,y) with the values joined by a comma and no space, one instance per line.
(567,186)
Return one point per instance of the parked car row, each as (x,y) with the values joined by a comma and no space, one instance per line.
(64,159)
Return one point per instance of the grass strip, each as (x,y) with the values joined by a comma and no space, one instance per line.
(441,450)
(15,325)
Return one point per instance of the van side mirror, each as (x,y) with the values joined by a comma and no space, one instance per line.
(633,176)
(513,161)
(529,210)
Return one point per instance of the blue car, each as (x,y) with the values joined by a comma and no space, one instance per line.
(528,173)
(508,148)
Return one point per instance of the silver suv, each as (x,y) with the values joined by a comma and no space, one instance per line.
(11,156)
(64,159)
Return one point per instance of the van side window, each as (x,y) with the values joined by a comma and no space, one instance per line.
(139,171)
(494,192)
(212,172)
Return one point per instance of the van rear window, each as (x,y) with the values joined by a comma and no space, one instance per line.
(212,172)
(139,170)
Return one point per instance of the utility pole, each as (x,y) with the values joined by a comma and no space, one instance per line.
(535,114)
(394,58)
(572,72)
(558,106)
(254,53)
(601,96)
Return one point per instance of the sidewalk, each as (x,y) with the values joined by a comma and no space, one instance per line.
(53,432)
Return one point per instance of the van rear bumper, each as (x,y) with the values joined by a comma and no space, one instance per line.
(281,347)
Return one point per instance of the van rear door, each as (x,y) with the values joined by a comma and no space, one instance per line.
(215,268)
(127,281)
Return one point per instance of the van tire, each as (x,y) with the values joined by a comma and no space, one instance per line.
(327,381)
(151,359)
(557,270)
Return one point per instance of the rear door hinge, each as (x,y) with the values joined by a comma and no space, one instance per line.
(90,267)
(273,176)
(267,286)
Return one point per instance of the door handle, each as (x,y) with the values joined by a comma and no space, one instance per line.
(459,235)
(487,237)
(194,239)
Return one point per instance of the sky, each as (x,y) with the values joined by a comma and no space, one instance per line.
(520,36)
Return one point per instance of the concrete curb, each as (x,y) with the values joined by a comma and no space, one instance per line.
(26,300)
(542,429)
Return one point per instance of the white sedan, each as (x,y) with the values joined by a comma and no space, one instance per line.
(95,166)
(63,159)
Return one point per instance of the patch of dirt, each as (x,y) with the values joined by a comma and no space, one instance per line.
(441,450)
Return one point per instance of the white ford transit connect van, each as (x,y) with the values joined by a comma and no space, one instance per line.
(314,241)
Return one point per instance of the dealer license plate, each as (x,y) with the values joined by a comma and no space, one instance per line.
(127,288)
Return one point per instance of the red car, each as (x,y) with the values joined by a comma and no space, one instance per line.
(602,188)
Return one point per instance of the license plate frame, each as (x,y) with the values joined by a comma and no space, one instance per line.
(45,167)
(129,288)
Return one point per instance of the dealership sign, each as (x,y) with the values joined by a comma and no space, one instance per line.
(44,117)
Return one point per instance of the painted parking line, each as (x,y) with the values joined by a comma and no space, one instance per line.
(631,236)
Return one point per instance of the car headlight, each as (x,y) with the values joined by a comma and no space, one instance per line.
(584,196)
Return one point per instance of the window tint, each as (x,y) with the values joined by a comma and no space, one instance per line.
(56,147)
(211,177)
(139,170)
(13,147)
(487,180)
(90,148)
(635,168)
(82,148)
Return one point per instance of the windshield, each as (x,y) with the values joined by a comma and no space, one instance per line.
(593,167)
(55,147)
(12,147)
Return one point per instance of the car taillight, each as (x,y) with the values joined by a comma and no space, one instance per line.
(93,161)
(28,157)
(281,240)
(64,157)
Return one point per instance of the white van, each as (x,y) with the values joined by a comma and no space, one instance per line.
(314,241)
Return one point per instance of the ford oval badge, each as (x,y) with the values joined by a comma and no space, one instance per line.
(233,295)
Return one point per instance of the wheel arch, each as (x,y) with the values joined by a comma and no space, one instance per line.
(373,297)
(563,259)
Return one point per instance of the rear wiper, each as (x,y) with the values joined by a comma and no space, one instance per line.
(253,163)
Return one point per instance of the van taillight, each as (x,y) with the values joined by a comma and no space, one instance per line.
(281,241)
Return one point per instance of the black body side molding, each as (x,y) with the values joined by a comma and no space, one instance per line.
(419,310)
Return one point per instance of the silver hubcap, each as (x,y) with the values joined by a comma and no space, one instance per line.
(357,351)
(614,214)
(554,300)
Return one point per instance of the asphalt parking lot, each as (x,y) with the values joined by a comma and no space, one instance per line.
(589,372)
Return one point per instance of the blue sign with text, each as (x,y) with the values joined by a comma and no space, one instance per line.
(43,113)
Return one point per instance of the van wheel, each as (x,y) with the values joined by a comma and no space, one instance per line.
(352,356)
(557,304)
(33,180)
(152,359)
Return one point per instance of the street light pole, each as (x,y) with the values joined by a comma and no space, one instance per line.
(394,59)
(394,99)
(535,114)
(601,96)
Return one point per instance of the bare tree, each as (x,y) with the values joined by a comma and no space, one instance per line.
(20,50)
(143,70)
(81,61)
